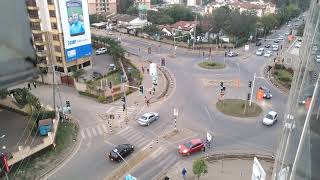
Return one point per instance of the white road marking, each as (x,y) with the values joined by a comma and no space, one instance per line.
(110,109)
(88,132)
(94,132)
(141,142)
(83,135)
(99,130)
(123,130)
(158,152)
(165,159)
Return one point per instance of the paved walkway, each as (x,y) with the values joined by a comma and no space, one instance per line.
(226,169)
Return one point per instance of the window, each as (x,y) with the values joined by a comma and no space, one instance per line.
(37,37)
(35,26)
(59,59)
(40,48)
(33,14)
(60,69)
(57,48)
(85,64)
(50,2)
(55,37)
(54,26)
(52,13)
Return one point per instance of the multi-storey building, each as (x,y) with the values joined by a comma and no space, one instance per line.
(298,153)
(102,6)
(60,33)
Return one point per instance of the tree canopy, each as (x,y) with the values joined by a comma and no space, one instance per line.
(199,167)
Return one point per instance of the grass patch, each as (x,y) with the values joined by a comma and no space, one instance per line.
(235,107)
(211,65)
(283,77)
(37,164)
(113,76)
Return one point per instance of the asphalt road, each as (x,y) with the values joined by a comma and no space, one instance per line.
(197,113)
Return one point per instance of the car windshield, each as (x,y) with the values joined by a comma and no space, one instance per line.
(188,144)
(269,116)
(113,152)
(144,117)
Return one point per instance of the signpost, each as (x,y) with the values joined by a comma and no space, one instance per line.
(258,172)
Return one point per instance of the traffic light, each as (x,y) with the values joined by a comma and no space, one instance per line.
(123,99)
(221,84)
(68,103)
(141,89)
(250,84)
(249,96)
(110,85)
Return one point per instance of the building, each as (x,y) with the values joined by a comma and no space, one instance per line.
(298,152)
(259,8)
(56,38)
(182,27)
(102,6)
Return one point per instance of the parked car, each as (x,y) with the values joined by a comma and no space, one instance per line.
(267,45)
(287,33)
(318,58)
(112,67)
(122,150)
(266,92)
(96,74)
(260,52)
(258,43)
(232,54)
(280,38)
(148,118)
(270,118)
(191,146)
(276,41)
(275,48)
(297,45)
(101,51)
(267,54)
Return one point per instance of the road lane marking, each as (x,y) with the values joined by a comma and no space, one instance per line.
(123,130)
(208,113)
(158,152)
(99,130)
(94,132)
(141,142)
(83,134)
(164,160)
(88,132)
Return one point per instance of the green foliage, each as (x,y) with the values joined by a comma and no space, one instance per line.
(20,96)
(102,99)
(269,22)
(124,5)
(151,29)
(115,49)
(78,73)
(300,30)
(39,114)
(199,167)
(156,2)
(3,93)
(170,15)
(96,18)
(132,10)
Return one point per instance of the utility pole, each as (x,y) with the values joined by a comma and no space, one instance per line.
(194,33)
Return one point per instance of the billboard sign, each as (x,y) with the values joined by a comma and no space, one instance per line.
(76,28)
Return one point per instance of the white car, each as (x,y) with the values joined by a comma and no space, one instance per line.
(280,38)
(260,52)
(148,118)
(267,54)
(287,33)
(270,118)
(297,45)
(318,58)
(275,48)
(101,51)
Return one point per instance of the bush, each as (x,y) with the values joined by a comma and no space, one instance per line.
(285,78)
(279,66)
(42,114)
(102,99)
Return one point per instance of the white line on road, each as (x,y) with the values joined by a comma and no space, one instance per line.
(94,132)
(205,107)
(110,109)
(157,152)
(121,131)
(83,135)
(99,130)
(88,132)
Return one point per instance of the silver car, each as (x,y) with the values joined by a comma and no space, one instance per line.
(148,118)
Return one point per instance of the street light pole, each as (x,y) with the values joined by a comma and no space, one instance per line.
(254,79)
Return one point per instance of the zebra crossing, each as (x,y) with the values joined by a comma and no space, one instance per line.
(94,131)
(134,137)
(118,110)
(160,159)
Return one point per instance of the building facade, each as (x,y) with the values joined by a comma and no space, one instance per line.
(298,153)
(102,6)
(49,39)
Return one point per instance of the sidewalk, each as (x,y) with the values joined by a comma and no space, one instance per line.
(226,168)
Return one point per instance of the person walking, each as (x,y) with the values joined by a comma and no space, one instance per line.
(29,86)
(34,85)
(142,68)
(184,172)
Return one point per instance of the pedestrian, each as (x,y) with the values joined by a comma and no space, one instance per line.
(34,85)
(142,68)
(184,172)
(225,54)
(29,86)
(154,90)
(148,70)
(148,102)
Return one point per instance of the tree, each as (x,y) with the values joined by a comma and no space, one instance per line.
(78,73)
(132,10)
(179,13)
(199,167)
(159,17)
(95,18)
(151,29)
(124,5)
(300,30)
(219,18)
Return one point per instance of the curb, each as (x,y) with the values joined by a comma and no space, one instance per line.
(67,155)
(267,76)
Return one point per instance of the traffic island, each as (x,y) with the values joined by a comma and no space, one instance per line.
(211,65)
(238,108)
(41,163)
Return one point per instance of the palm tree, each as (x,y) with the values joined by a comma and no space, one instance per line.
(78,73)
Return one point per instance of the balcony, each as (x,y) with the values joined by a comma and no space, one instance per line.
(32,5)
(39,42)
(36,31)
(51,7)
(34,19)
(42,53)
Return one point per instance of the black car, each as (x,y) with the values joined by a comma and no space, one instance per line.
(266,93)
(267,45)
(96,74)
(121,151)
(276,41)
(258,43)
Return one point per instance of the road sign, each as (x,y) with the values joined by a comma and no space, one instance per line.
(258,172)
(175,112)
